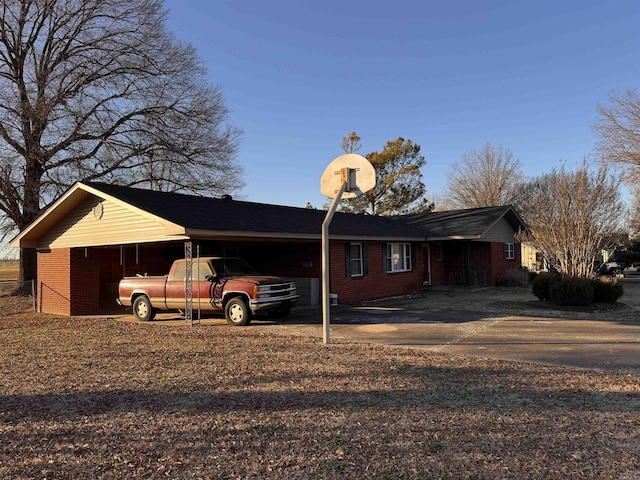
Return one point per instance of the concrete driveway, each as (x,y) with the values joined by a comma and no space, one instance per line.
(588,344)
(575,343)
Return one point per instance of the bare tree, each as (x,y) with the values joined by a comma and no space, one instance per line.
(618,128)
(635,218)
(571,215)
(442,203)
(484,178)
(97,90)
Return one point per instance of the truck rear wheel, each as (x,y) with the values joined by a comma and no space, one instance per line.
(143,310)
(237,313)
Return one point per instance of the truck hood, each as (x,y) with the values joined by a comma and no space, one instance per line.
(261,279)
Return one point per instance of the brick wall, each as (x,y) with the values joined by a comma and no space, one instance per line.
(84,281)
(486,259)
(376,284)
(500,264)
(54,287)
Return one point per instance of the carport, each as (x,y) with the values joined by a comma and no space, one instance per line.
(96,233)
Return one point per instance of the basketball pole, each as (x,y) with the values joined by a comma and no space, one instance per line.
(326,312)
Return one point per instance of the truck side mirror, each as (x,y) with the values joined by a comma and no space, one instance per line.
(211,278)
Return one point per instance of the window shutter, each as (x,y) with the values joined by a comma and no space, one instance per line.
(386,263)
(347,259)
(506,250)
(412,255)
(365,259)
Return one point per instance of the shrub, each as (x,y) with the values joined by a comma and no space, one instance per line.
(571,291)
(514,278)
(542,283)
(606,290)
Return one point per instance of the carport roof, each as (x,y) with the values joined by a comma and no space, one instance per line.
(225,214)
(202,217)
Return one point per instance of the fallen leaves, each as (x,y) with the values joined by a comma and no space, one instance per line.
(103,399)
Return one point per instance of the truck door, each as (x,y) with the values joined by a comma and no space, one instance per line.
(201,289)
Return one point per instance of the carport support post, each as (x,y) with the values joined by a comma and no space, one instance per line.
(326,315)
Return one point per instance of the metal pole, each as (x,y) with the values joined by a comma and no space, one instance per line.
(326,316)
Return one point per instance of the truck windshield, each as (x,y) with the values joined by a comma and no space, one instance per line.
(232,267)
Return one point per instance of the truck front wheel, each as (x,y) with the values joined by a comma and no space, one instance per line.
(143,310)
(237,313)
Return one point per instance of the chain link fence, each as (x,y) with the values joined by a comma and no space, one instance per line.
(18,293)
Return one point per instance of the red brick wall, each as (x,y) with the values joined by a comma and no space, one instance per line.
(376,284)
(54,287)
(500,264)
(485,257)
(68,281)
(84,281)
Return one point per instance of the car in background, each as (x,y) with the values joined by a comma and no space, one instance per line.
(611,268)
(634,268)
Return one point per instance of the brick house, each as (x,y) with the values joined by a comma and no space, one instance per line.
(96,233)
(471,247)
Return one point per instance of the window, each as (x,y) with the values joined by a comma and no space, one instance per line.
(356,260)
(509,251)
(439,254)
(397,257)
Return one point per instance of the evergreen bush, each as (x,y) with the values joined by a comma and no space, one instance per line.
(606,290)
(541,284)
(571,291)
(514,278)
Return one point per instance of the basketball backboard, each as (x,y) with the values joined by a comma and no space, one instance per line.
(354,169)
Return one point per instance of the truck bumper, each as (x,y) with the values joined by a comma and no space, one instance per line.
(266,306)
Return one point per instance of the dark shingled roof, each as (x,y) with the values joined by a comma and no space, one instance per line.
(219,214)
(472,222)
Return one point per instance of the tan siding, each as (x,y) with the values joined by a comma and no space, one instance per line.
(117,224)
(501,232)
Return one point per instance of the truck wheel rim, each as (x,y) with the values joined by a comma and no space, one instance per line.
(142,309)
(235,312)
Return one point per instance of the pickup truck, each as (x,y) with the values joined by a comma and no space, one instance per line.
(219,284)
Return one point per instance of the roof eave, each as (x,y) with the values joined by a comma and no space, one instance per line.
(202,234)
(453,237)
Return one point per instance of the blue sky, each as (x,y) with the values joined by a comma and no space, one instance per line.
(451,76)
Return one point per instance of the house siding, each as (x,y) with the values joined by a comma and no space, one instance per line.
(500,232)
(114,225)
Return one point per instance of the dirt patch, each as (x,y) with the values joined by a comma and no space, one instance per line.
(102,399)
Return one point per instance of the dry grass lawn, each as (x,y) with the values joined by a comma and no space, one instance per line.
(8,270)
(103,399)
